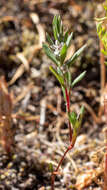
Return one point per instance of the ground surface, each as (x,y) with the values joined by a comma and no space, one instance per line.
(39,121)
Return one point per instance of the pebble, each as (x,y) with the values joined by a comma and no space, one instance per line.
(2,177)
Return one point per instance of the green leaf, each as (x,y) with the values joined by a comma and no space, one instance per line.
(99,28)
(66,36)
(81,111)
(80,77)
(61,28)
(63,90)
(73,118)
(55,31)
(51,167)
(59,77)
(77,126)
(50,54)
(58,24)
(68,78)
(104,52)
(75,56)
(79,120)
(50,41)
(54,23)
(59,71)
(58,28)
(68,42)
(63,53)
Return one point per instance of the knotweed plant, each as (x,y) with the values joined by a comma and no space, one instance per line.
(57,51)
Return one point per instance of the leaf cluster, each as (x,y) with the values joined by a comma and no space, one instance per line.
(56,50)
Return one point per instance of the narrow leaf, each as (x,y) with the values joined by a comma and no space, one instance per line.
(50,54)
(61,28)
(59,71)
(55,27)
(82,110)
(55,33)
(79,120)
(75,56)
(63,53)
(58,23)
(80,77)
(73,118)
(50,41)
(78,123)
(54,20)
(68,42)
(65,36)
(59,77)
(63,90)
(68,78)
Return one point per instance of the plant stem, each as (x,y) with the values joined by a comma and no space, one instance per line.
(70,146)
(67,100)
(68,111)
(56,171)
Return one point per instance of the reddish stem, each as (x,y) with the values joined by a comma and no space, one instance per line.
(56,171)
(71,145)
(67,100)
(70,131)
(68,110)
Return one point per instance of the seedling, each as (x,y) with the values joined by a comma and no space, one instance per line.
(57,50)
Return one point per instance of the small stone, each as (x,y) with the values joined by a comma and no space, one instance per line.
(21,169)
(2,176)
(10,165)
(14,156)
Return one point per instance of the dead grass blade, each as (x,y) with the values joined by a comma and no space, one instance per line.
(6,134)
